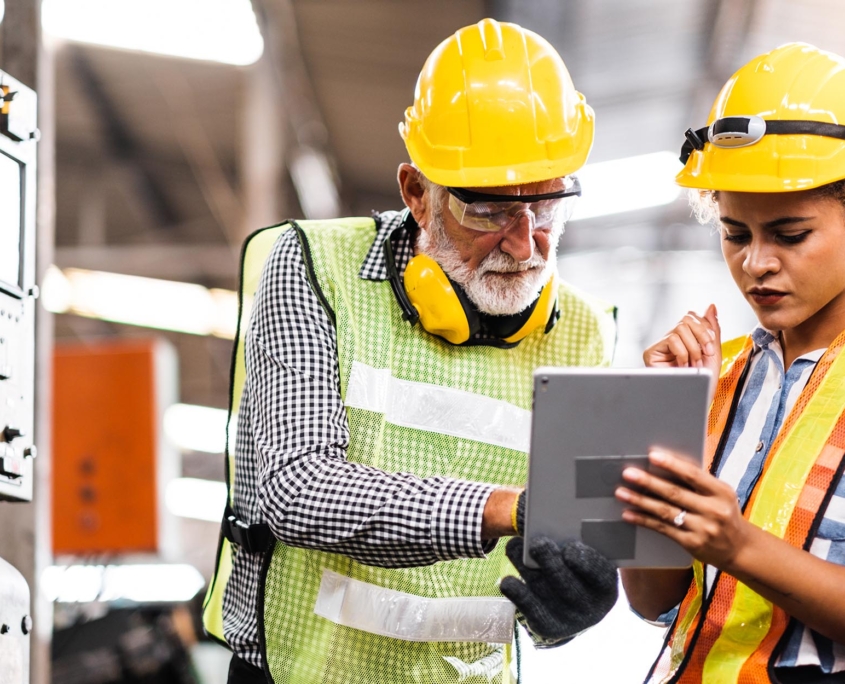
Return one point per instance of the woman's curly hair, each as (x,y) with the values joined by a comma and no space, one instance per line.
(705,203)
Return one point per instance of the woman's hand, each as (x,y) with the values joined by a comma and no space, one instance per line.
(694,342)
(713,530)
(701,514)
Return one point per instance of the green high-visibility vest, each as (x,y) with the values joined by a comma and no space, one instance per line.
(415,404)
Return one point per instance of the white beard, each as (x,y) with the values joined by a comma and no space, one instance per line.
(492,293)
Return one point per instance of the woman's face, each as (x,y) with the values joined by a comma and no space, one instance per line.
(786,252)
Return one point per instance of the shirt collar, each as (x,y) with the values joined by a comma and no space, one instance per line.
(402,242)
(767,339)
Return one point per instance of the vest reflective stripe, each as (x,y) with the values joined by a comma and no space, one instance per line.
(352,603)
(740,628)
(444,410)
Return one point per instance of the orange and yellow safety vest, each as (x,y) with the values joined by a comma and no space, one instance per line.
(731,634)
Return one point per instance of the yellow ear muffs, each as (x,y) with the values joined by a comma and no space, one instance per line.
(442,313)
(542,312)
(432,295)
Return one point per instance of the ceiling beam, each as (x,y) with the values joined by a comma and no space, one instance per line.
(122,145)
(221,197)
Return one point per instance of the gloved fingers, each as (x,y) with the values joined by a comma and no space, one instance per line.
(552,580)
(536,611)
(590,566)
(555,574)
(546,552)
(518,593)
(514,551)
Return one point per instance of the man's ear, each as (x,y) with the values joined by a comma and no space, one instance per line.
(413,193)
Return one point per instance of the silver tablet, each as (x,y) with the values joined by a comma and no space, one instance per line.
(587,426)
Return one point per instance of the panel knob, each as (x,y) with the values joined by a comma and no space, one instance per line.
(11,432)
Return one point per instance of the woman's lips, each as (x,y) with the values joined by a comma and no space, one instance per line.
(764,297)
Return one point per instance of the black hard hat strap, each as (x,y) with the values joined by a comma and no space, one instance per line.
(695,139)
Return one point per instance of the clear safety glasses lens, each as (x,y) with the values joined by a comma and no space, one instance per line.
(491,217)
(477,212)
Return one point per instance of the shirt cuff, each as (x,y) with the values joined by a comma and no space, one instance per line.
(663,620)
(456,520)
(543,642)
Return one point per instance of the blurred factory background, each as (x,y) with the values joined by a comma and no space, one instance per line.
(170,130)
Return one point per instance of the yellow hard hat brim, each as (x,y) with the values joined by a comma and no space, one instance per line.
(777,163)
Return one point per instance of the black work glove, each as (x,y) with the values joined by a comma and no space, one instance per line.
(573,589)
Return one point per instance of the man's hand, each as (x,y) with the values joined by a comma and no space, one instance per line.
(573,589)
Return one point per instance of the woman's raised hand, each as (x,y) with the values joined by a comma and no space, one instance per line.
(696,342)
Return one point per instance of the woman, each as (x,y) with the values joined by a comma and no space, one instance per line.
(765,599)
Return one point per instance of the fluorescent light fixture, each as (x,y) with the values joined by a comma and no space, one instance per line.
(2,10)
(620,185)
(146,302)
(197,428)
(190,497)
(144,583)
(215,30)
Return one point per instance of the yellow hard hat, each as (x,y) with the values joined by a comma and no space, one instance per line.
(775,126)
(494,105)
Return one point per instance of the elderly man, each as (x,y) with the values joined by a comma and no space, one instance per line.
(383,426)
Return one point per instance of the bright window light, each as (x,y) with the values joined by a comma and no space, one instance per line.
(215,30)
(613,187)
(190,497)
(2,10)
(147,583)
(146,302)
(197,428)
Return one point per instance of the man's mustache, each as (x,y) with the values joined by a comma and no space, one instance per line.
(502,262)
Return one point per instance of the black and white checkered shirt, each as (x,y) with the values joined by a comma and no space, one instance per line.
(291,469)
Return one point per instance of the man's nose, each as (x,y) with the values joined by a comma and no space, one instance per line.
(518,238)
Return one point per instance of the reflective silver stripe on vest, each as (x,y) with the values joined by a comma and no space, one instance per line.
(435,408)
(360,605)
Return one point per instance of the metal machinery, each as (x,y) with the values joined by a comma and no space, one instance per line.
(18,135)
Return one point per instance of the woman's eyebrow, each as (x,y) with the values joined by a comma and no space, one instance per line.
(786,220)
(776,223)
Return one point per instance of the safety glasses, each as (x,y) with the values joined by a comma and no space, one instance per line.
(493,213)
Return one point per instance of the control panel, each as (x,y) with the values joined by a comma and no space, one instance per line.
(15,626)
(18,292)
